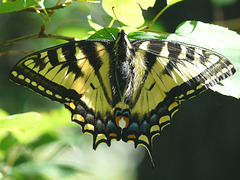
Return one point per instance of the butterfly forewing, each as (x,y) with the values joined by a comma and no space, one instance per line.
(67,73)
(121,89)
(174,72)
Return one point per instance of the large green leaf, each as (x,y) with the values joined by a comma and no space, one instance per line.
(20,122)
(219,39)
(127,11)
(50,122)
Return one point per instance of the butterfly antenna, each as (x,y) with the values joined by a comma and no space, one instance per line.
(116,17)
(118,24)
(110,34)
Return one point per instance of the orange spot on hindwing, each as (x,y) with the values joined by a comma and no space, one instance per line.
(131,136)
(113,135)
(117,119)
(122,118)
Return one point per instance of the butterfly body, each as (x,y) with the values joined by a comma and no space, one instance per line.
(122,89)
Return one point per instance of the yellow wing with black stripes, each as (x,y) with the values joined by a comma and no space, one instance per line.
(121,89)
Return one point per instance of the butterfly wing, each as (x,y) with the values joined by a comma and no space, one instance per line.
(75,74)
(171,73)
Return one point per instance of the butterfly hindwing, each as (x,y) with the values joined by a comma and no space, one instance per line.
(121,89)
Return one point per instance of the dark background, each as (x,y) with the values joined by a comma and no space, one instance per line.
(203,140)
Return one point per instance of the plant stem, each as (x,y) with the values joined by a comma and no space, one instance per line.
(36,36)
(156,17)
(14,52)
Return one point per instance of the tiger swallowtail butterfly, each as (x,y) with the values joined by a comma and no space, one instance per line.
(121,89)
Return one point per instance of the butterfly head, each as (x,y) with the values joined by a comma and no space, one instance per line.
(122,39)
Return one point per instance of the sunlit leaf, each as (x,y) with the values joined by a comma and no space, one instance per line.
(171,2)
(20,122)
(216,38)
(3,114)
(128,12)
(146,4)
(50,122)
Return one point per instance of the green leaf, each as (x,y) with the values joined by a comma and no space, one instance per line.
(50,122)
(8,142)
(106,33)
(20,122)
(172,2)
(111,34)
(127,11)
(218,39)
(146,4)
(134,35)
(3,114)
(17,5)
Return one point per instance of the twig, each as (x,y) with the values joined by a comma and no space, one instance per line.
(16,40)
(48,12)
(36,36)
(14,52)
(50,9)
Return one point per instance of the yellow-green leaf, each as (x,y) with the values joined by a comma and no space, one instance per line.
(146,4)
(171,2)
(128,12)
(3,114)
(20,122)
